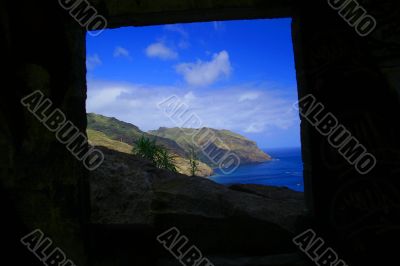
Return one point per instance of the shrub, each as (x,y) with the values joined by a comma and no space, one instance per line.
(158,155)
(193,162)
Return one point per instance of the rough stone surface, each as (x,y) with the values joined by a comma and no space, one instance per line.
(143,12)
(353,77)
(127,190)
(232,260)
(41,184)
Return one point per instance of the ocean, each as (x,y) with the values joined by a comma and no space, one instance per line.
(285,170)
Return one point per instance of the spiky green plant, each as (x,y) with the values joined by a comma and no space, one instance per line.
(165,160)
(158,155)
(193,162)
(145,148)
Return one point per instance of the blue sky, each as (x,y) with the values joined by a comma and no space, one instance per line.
(235,75)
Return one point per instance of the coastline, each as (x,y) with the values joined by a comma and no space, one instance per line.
(285,169)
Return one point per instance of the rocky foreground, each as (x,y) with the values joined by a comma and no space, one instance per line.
(250,220)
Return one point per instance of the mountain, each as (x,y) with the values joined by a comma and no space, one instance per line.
(128,133)
(223,142)
(97,138)
(121,136)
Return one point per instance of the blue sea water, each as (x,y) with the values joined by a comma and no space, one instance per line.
(285,170)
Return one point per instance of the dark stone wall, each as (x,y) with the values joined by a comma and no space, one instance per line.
(143,12)
(357,79)
(41,184)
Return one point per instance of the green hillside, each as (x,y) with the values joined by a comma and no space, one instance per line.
(97,138)
(209,145)
(222,142)
(128,133)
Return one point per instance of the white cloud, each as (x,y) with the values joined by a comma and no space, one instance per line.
(93,61)
(183,44)
(189,97)
(121,52)
(183,40)
(254,128)
(105,98)
(203,73)
(248,96)
(218,25)
(160,50)
(178,28)
(269,113)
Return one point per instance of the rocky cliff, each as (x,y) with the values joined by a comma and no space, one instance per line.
(222,141)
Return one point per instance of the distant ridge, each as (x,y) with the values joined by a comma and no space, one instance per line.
(119,135)
(245,149)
